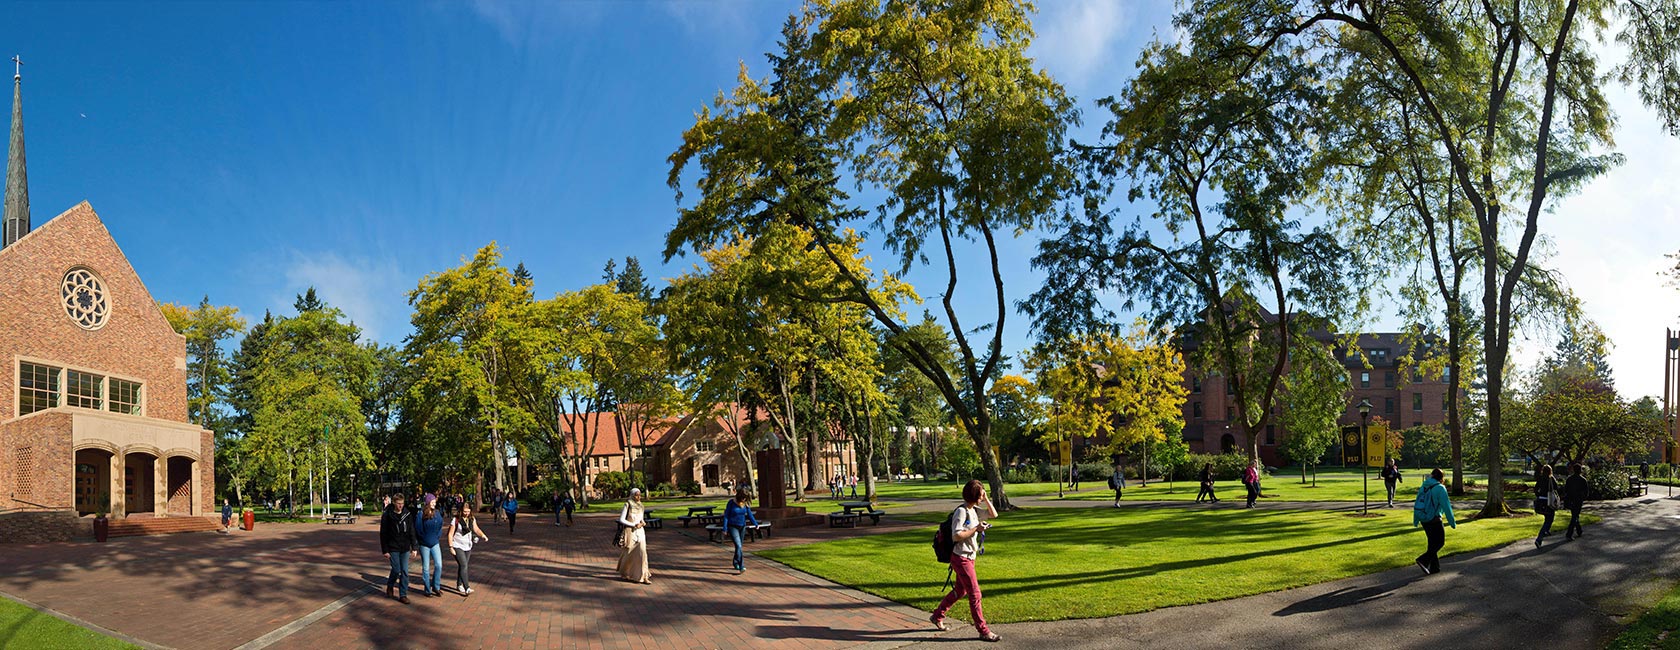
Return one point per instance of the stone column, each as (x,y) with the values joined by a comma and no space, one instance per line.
(160,487)
(193,506)
(119,504)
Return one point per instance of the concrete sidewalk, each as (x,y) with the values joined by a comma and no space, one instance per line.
(1566,595)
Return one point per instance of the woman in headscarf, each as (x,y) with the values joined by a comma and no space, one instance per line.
(633,563)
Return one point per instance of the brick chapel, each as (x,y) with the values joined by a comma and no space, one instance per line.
(93,399)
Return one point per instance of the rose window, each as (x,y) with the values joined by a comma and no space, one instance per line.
(84,299)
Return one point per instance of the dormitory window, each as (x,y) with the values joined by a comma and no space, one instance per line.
(1196,410)
(1230,413)
(1364,380)
(1388,380)
(1195,384)
(125,397)
(1388,405)
(82,390)
(1271,434)
(1417,401)
(37,388)
(703,445)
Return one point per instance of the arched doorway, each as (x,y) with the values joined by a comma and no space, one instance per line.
(1227,443)
(180,485)
(93,481)
(139,483)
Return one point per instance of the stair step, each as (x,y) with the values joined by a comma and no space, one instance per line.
(161,526)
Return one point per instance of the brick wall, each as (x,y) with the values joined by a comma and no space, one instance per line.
(41,527)
(52,463)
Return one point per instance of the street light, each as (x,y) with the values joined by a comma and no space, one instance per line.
(1364,467)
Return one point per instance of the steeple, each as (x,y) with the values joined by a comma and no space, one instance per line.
(16,214)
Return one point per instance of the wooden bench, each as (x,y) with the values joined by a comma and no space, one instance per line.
(341,518)
(874,516)
(847,519)
(716,532)
(654,522)
(1638,486)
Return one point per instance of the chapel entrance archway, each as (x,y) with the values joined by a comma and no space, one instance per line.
(180,484)
(93,481)
(140,483)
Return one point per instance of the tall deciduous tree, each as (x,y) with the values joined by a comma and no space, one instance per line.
(210,377)
(1314,397)
(934,104)
(1508,90)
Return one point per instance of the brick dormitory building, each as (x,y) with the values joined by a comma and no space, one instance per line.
(93,403)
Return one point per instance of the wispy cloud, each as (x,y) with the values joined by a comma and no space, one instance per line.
(1077,39)
(369,291)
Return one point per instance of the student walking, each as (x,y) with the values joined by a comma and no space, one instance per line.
(633,562)
(1545,500)
(567,504)
(496,505)
(463,527)
(1206,479)
(428,531)
(1431,505)
(1116,482)
(853,480)
(510,505)
(397,541)
(227,516)
(554,502)
(736,515)
(1574,496)
(1391,478)
(356,510)
(1251,480)
(968,530)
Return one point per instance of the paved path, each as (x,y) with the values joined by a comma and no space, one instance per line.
(1566,595)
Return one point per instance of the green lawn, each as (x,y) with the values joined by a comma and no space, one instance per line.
(1054,563)
(916,489)
(24,629)
(671,510)
(1332,485)
(1658,627)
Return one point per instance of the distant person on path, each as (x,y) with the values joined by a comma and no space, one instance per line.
(1644,469)
(1251,480)
(496,505)
(633,562)
(567,504)
(554,501)
(1116,482)
(463,527)
(1431,505)
(397,541)
(1545,500)
(1574,496)
(1206,479)
(736,515)
(968,528)
(853,480)
(510,505)
(356,510)
(227,516)
(429,532)
(1391,479)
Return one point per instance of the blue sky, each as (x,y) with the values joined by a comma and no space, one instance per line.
(249,150)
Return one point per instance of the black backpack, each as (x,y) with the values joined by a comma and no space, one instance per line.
(943,541)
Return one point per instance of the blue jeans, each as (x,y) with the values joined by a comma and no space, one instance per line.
(735,536)
(399,574)
(431,568)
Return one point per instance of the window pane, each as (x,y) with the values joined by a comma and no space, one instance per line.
(82,390)
(125,397)
(37,388)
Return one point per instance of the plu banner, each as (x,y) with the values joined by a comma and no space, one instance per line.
(1350,445)
(1375,433)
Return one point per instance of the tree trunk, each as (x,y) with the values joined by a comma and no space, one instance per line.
(1455,427)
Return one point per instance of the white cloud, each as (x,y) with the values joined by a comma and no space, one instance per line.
(1078,38)
(369,291)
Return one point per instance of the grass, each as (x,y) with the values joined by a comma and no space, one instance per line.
(24,628)
(814,506)
(1658,627)
(1054,563)
(916,489)
(1333,485)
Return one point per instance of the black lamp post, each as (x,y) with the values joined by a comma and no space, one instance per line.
(1364,466)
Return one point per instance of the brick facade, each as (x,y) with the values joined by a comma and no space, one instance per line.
(135,343)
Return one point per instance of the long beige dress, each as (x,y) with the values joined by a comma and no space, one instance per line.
(633,563)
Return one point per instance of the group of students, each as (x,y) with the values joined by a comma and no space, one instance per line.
(838,484)
(421,533)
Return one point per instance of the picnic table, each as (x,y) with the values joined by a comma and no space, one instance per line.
(715,532)
(341,518)
(854,511)
(702,514)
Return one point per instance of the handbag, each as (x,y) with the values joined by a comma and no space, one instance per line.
(618,537)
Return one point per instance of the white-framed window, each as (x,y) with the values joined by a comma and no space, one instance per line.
(38,388)
(84,390)
(124,397)
(704,445)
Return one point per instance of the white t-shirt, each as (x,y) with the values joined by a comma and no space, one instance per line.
(964,518)
(462,537)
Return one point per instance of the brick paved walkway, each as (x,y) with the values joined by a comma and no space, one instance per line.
(544,587)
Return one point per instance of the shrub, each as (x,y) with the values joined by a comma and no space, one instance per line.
(538,494)
(689,488)
(616,485)
(1608,483)
(1094,471)
(1226,467)
(1020,476)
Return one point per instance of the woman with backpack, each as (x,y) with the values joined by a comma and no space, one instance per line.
(967,533)
(1117,482)
(1431,505)
(1545,500)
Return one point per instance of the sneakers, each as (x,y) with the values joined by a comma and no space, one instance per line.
(1537,541)
(1420,565)
(938,623)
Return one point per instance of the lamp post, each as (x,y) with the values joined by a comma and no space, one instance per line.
(1364,467)
(353,493)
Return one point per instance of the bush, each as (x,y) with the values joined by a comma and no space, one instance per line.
(664,490)
(1226,467)
(1020,476)
(1098,472)
(1608,483)
(538,494)
(616,485)
(689,488)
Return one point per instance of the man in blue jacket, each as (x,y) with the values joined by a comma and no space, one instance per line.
(1432,504)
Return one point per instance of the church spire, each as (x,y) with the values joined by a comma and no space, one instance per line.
(16,214)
